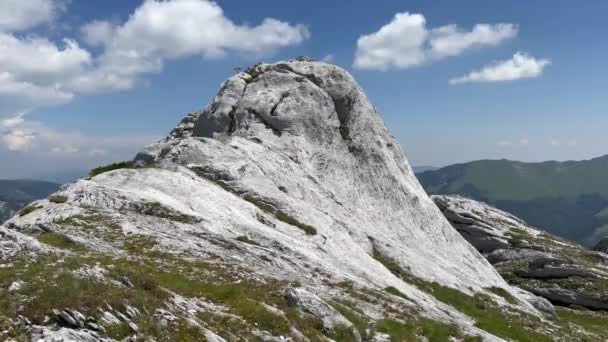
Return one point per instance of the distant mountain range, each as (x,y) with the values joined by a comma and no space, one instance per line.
(423,168)
(569,199)
(16,194)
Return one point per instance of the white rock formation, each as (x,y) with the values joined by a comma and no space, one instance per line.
(293,157)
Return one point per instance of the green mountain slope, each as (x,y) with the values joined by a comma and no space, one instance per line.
(564,198)
(16,194)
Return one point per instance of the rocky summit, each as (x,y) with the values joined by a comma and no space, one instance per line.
(283,211)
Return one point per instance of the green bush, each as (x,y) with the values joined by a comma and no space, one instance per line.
(115,166)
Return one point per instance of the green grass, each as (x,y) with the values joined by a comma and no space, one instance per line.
(156,209)
(99,225)
(562,198)
(502,293)
(360,322)
(114,166)
(412,329)
(280,215)
(480,307)
(28,210)
(58,240)
(396,292)
(521,181)
(58,199)
(593,322)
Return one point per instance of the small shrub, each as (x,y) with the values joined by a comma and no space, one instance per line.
(115,166)
(58,199)
(159,210)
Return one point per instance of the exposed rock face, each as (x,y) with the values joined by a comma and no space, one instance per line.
(282,210)
(561,271)
(602,246)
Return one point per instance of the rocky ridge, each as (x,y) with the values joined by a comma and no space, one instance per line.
(282,211)
(561,271)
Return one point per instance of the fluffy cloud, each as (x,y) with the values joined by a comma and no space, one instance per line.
(98,32)
(520,66)
(35,71)
(18,15)
(406,42)
(20,135)
(38,69)
(329,58)
(161,30)
(18,139)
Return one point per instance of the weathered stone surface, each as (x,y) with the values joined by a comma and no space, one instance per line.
(541,303)
(312,304)
(47,334)
(560,295)
(558,270)
(289,179)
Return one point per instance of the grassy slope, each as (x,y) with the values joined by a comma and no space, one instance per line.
(562,198)
(511,180)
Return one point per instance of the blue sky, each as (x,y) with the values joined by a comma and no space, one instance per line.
(539,91)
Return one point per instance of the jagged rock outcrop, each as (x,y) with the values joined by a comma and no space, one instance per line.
(561,271)
(283,210)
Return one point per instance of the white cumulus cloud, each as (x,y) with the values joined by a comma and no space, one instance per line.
(20,135)
(520,66)
(451,40)
(161,30)
(407,42)
(36,71)
(18,139)
(17,15)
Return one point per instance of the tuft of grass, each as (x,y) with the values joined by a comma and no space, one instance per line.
(411,330)
(114,166)
(58,199)
(253,71)
(396,292)
(28,210)
(360,323)
(59,240)
(158,210)
(97,224)
(499,291)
